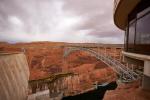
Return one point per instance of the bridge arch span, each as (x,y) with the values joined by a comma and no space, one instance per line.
(118,67)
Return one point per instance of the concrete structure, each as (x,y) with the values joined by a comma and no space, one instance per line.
(14,76)
(133,16)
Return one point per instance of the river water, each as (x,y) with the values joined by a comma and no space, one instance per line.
(96,94)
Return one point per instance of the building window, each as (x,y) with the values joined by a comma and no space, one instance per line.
(143,30)
(131,37)
(138,33)
(143,34)
(126,40)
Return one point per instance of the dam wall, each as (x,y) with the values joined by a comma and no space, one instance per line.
(14,76)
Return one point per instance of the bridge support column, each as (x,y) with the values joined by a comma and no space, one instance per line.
(146,77)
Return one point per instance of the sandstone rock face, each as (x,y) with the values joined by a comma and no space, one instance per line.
(14,76)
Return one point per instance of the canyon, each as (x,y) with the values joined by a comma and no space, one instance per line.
(46,58)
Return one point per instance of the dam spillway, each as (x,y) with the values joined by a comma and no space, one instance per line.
(14,72)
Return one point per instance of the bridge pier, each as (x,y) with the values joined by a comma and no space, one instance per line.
(146,77)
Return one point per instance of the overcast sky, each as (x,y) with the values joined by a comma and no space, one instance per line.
(58,20)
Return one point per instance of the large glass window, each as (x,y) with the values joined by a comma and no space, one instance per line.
(138,34)
(143,34)
(131,36)
(126,39)
(143,30)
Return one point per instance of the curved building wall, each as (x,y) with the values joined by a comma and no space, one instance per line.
(138,31)
(133,16)
(116,2)
(14,76)
(122,8)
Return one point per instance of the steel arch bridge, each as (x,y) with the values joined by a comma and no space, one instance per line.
(124,72)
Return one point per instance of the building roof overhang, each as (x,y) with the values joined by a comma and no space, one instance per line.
(122,10)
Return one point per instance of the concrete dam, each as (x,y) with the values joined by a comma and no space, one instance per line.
(14,72)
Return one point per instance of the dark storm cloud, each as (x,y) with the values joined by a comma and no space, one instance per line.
(98,17)
(105,34)
(58,20)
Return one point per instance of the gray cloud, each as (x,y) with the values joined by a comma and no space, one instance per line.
(58,20)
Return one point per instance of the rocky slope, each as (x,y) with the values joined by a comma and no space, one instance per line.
(130,91)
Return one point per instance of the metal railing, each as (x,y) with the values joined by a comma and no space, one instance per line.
(124,72)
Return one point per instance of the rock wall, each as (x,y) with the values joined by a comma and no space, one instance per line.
(130,91)
(14,76)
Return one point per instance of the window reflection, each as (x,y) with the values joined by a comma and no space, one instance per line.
(143,30)
(143,35)
(138,37)
(131,37)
